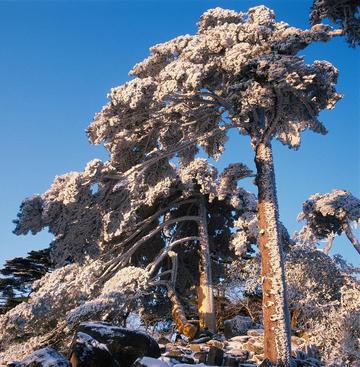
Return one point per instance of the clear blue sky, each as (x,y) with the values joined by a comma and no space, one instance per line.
(58,60)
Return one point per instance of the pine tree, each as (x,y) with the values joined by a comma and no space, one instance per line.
(149,238)
(239,71)
(18,274)
(344,13)
(328,215)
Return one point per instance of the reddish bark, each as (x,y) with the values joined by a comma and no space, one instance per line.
(178,314)
(275,308)
(206,303)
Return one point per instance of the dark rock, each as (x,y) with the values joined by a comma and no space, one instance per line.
(205,332)
(176,356)
(265,363)
(200,356)
(124,345)
(230,361)
(46,357)
(88,352)
(241,354)
(300,355)
(309,362)
(238,325)
(215,356)
(163,340)
(203,339)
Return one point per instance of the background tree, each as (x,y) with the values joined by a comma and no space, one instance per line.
(239,71)
(18,274)
(328,215)
(323,300)
(344,13)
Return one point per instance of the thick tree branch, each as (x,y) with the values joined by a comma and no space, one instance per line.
(152,266)
(115,264)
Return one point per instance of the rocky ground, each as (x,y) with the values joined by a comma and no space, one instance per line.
(105,345)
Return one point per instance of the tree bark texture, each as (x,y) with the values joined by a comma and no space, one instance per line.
(350,235)
(206,303)
(276,316)
(178,314)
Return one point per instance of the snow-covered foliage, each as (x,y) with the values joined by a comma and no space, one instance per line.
(327,297)
(90,288)
(244,64)
(239,71)
(324,295)
(25,327)
(344,13)
(126,285)
(327,215)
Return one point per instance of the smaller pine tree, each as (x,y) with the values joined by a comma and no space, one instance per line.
(17,277)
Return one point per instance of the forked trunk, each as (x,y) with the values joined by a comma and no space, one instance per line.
(206,304)
(276,316)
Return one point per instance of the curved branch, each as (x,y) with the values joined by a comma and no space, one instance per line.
(116,263)
(329,243)
(278,110)
(152,266)
(350,235)
(144,223)
(179,147)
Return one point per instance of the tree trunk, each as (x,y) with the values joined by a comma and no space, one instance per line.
(276,316)
(350,235)
(206,304)
(329,243)
(178,314)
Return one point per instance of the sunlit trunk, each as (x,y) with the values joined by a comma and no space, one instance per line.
(276,317)
(329,243)
(350,235)
(206,304)
(178,314)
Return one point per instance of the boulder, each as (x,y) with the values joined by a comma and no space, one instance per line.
(230,361)
(177,356)
(45,357)
(255,332)
(124,345)
(215,357)
(201,340)
(215,343)
(241,354)
(200,357)
(88,352)
(238,325)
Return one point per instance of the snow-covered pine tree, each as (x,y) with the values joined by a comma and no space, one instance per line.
(328,215)
(113,239)
(344,13)
(239,71)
